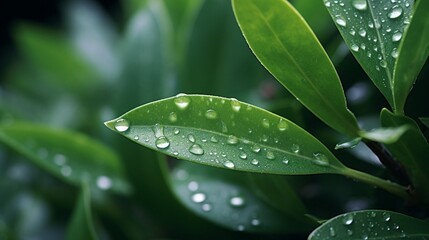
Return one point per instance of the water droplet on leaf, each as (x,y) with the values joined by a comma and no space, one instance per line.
(395,12)
(348,219)
(270,155)
(254,162)
(104,182)
(211,114)
(232,140)
(122,125)
(265,123)
(198,197)
(340,21)
(182,101)
(359,4)
(193,186)
(229,164)
(196,149)
(237,201)
(320,159)
(235,104)
(172,117)
(282,125)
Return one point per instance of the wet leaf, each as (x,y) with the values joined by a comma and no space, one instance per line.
(225,133)
(413,53)
(411,150)
(286,46)
(373,29)
(81,225)
(229,201)
(69,156)
(372,224)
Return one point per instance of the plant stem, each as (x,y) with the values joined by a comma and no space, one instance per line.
(391,187)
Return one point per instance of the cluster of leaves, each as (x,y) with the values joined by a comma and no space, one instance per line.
(56,154)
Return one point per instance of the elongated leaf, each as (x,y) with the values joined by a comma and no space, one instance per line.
(373,29)
(229,202)
(81,225)
(225,133)
(70,156)
(414,51)
(411,150)
(372,224)
(425,121)
(385,135)
(287,47)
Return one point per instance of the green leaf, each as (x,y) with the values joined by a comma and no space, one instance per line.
(226,133)
(69,156)
(386,135)
(425,121)
(373,29)
(414,50)
(411,150)
(225,198)
(286,46)
(81,225)
(372,224)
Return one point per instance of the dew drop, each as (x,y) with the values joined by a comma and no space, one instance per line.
(191,138)
(396,36)
(354,47)
(193,186)
(395,12)
(360,4)
(362,32)
(320,159)
(196,149)
(122,125)
(66,170)
(348,219)
(243,155)
(214,139)
(349,232)
(162,142)
(386,217)
(206,207)
(136,138)
(264,138)
(282,125)
(235,105)
(285,161)
(172,117)
(237,201)
(240,228)
(176,131)
(60,159)
(104,183)
(270,155)
(340,21)
(383,63)
(352,32)
(332,232)
(295,148)
(255,222)
(395,53)
(265,123)
(373,214)
(211,114)
(229,164)
(198,197)
(232,140)
(182,101)
(254,162)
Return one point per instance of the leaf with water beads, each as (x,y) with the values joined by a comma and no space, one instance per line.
(373,29)
(372,224)
(230,201)
(239,136)
(69,156)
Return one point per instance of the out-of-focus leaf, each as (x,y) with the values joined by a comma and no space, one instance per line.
(55,58)
(226,133)
(224,197)
(386,135)
(81,225)
(371,225)
(411,150)
(69,156)
(349,144)
(425,121)
(413,53)
(286,46)
(373,29)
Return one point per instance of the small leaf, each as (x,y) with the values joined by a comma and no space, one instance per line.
(413,53)
(373,29)
(425,121)
(349,144)
(411,150)
(69,156)
(386,135)
(81,225)
(226,133)
(286,46)
(372,224)
(229,202)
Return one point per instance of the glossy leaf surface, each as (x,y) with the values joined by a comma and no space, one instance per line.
(385,135)
(411,150)
(229,201)
(226,133)
(286,46)
(373,29)
(81,225)
(414,51)
(372,224)
(69,156)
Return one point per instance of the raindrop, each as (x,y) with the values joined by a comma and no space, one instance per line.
(104,182)
(386,217)
(265,123)
(352,32)
(60,159)
(340,21)
(176,131)
(162,142)
(235,104)
(232,140)
(285,161)
(255,222)
(320,159)
(122,125)
(136,138)
(348,219)
(377,24)
(395,12)
(395,53)
(254,162)
(243,155)
(282,125)
(373,214)
(371,25)
(396,36)
(349,232)
(359,4)
(182,101)
(237,201)
(172,117)
(206,207)
(211,114)
(264,138)
(214,139)
(193,186)
(198,197)
(191,138)
(362,32)
(332,232)
(229,164)
(270,155)
(196,149)
(256,148)
(354,47)
(383,63)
